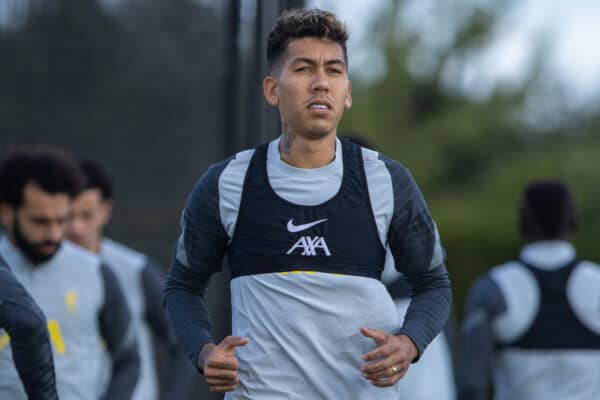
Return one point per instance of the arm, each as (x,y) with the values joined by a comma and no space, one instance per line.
(180,373)
(398,289)
(418,254)
(198,255)
(117,331)
(24,322)
(484,303)
(415,245)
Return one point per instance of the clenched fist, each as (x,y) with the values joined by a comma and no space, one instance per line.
(220,365)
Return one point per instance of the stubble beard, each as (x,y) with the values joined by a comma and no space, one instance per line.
(29,249)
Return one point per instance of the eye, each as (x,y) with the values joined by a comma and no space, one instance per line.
(302,69)
(40,221)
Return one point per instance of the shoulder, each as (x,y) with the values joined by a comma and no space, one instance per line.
(381,170)
(512,273)
(583,293)
(587,271)
(375,161)
(230,171)
(398,171)
(404,187)
(234,172)
(521,294)
(81,266)
(486,292)
(515,282)
(236,163)
(77,257)
(121,256)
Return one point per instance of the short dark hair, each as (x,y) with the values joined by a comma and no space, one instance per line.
(301,23)
(547,211)
(52,168)
(96,177)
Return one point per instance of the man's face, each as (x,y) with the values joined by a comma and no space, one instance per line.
(38,226)
(90,214)
(311,87)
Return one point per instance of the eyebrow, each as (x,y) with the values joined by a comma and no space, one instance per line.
(310,61)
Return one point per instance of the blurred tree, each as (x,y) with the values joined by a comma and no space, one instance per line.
(470,158)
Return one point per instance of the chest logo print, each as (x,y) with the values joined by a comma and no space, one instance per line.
(4,340)
(309,246)
(298,228)
(71,301)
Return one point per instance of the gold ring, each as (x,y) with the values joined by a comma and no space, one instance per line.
(394,369)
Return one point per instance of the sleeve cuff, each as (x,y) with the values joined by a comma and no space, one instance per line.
(420,347)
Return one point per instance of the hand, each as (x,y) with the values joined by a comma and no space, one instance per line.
(393,354)
(219,364)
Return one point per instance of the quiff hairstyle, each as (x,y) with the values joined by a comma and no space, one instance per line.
(547,211)
(301,23)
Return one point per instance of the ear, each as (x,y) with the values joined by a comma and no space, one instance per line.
(7,215)
(106,210)
(270,86)
(348,98)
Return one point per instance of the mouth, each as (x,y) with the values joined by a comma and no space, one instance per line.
(48,248)
(320,105)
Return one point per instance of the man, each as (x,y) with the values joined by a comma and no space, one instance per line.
(141,281)
(22,319)
(304,221)
(81,298)
(536,321)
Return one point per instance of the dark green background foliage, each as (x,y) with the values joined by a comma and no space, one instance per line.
(473,159)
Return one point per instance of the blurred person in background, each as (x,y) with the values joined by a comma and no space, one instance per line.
(535,322)
(433,376)
(23,325)
(81,298)
(141,281)
(436,363)
(305,221)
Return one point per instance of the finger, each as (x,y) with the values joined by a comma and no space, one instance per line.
(221,382)
(222,362)
(386,382)
(230,343)
(380,352)
(377,335)
(383,365)
(220,374)
(222,388)
(385,373)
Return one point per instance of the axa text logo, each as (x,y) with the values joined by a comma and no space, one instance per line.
(309,246)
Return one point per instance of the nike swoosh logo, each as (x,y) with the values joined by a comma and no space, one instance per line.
(297,228)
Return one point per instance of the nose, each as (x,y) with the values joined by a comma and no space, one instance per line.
(75,227)
(56,232)
(320,81)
